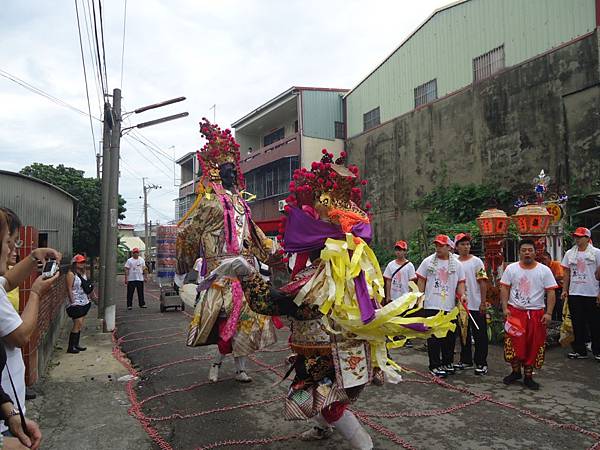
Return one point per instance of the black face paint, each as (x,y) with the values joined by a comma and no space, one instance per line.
(228,175)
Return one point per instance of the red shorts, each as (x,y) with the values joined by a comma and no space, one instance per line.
(529,348)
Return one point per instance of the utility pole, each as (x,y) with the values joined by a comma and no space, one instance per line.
(113,215)
(103,216)
(110,200)
(147,188)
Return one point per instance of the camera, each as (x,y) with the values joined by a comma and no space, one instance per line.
(50,268)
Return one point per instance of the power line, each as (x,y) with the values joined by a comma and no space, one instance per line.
(88,32)
(102,40)
(87,93)
(43,93)
(153,144)
(145,158)
(123,48)
(151,151)
(99,59)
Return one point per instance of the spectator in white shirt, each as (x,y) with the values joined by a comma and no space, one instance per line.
(135,275)
(398,273)
(580,287)
(442,278)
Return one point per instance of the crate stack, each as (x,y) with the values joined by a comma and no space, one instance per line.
(166,262)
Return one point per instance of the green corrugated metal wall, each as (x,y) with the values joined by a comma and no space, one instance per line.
(320,110)
(445,46)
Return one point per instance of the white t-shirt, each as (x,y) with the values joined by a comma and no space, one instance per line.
(528,286)
(474,271)
(79,296)
(441,283)
(9,322)
(136,268)
(399,282)
(583,271)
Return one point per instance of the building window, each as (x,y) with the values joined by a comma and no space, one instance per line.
(371,119)
(489,63)
(339,130)
(271,179)
(426,93)
(295,126)
(273,137)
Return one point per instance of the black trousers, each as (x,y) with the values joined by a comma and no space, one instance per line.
(585,315)
(131,287)
(440,350)
(481,341)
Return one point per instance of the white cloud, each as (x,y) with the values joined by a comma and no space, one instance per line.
(233,53)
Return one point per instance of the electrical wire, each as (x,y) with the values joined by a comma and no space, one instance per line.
(156,147)
(43,93)
(123,47)
(151,151)
(89,32)
(87,92)
(102,40)
(145,158)
(99,59)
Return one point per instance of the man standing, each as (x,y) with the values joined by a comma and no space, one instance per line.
(442,278)
(398,273)
(476,288)
(581,264)
(135,275)
(522,290)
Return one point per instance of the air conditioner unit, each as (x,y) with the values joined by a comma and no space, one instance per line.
(281,205)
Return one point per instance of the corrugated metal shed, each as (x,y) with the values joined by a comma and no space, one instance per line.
(41,205)
(443,48)
(320,110)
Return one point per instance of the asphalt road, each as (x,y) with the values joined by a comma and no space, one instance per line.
(180,409)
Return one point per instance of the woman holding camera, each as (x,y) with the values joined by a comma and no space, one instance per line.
(78,289)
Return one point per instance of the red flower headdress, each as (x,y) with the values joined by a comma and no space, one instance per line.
(219,149)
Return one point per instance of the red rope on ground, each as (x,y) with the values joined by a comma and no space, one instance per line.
(430,413)
(386,432)
(249,442)
(154,337)
(146,331)
(172,363)
(147,347)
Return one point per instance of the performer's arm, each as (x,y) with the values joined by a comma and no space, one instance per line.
(483,288)
(566,281)
(504,293)
(421,282)
(388,283)
(551,300)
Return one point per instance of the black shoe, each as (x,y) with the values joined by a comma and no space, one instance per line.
(30,393)
(512,377)
(438,372)
(129,308)
(72,342)
(463,366)
(143,306)
(575,355)
(481,370)
(77,346)
(528,382)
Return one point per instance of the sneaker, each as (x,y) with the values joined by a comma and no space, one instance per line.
(575,355)
(597,357)
(481,370)
(512,377)
(462,366)
(143,306)
(438,372)
(449,368)
(213,373)
(529,383)
(588,345)
(242,377)
(316,434)
(129,308)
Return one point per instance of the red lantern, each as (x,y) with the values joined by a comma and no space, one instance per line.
(493,226)
(533,221)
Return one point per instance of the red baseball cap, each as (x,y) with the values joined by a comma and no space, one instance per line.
(401,244)
(462,237)
(78,259)
(135,250)
(582,232)
(442,239)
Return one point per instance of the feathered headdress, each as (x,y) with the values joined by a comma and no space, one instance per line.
(220,148)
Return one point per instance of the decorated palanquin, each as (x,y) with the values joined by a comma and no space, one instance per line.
(340,332)
(219,226)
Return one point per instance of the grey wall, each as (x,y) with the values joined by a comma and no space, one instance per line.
(41,206)
(542,114)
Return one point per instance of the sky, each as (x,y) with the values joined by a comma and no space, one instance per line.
(229,53)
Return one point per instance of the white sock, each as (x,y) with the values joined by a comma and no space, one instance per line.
(349,427)
(321,422)
(240,363)
(219,357)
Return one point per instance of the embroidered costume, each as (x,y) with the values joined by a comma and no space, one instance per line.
(340,333)
(219,226)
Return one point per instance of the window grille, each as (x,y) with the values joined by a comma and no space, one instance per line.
(339,130)
(426,93)
(489,63)
(371,119)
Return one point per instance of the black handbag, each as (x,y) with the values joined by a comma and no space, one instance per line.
(86,285)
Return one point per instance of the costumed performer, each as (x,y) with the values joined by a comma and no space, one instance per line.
(339,330)
(219,226)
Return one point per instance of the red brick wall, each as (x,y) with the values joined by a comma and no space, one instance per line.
(50,307)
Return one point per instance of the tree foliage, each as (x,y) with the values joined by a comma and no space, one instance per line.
(88,191)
